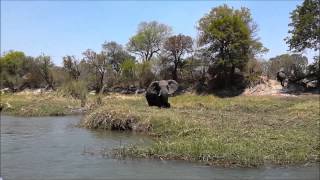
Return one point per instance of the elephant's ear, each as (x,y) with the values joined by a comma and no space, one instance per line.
(154,87)
(172,86)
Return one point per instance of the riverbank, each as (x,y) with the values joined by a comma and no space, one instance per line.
(240,131)
(47,104)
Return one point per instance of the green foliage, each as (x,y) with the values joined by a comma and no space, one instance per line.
(13,55)
(76,89)
(305,33)
(253,72)
(116,55)
(226,49)
(146,76)
(295,65)
(18,71)
(71,65)
(43,67)
(12,61)
(314,70)
(128,72)
(315,67)
(305,27)
(148,39)
(59,75)
(228,35)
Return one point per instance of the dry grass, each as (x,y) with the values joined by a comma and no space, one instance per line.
(241,131)
(48,104)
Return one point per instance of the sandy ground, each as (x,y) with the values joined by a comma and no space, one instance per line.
(267,87)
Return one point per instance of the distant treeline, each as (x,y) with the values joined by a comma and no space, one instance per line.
(223,56)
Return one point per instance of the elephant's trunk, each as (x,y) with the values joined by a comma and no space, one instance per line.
(163,93)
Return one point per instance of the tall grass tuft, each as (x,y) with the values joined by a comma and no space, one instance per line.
(76,89)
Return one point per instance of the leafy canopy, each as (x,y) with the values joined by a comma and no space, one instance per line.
(149,39)
(229,37)
(305,27)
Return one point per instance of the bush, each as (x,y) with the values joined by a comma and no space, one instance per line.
(76,89)
(145,74)
(294,65)
(253,72)
(128,70)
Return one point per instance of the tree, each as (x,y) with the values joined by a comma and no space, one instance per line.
(60,76)
(145,74)
(128,72)
(43,65)
(19,71)
(12,61)
(12,69)
(149,39)
(229,35)
(305,33)
(71,65)
(116,55)
(305,27)
(99,64)
(314,69)
(175,47)
(294,65)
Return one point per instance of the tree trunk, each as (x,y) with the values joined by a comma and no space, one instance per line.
(174,73)
(226,79)
(231,75)
(101,83)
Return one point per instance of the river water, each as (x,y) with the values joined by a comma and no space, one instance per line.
(54,148)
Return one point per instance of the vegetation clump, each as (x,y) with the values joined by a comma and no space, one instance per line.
(75,89)
(113,120)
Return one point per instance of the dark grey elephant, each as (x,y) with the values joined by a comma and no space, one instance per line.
(158,92)
(282,77)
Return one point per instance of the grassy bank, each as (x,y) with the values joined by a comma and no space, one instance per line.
(48,104)
(240,131)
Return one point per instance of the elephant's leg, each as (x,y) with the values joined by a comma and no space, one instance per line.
(167,105)
(151,99)
(164,102)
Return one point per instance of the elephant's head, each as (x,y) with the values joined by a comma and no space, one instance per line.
(158,92)
(163,87)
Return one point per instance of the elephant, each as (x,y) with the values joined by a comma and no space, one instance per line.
(282,77)
(158,92)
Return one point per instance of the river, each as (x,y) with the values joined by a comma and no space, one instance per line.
(54,148)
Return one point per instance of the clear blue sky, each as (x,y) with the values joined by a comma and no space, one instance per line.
(69,27)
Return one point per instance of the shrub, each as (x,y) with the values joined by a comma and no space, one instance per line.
(145,74)
(128,68)
(253,72)
(76,89)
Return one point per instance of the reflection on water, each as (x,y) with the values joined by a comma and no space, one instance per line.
(53,148)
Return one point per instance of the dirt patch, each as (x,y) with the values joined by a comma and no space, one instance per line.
(34,92)
(267,87)
(123,97)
